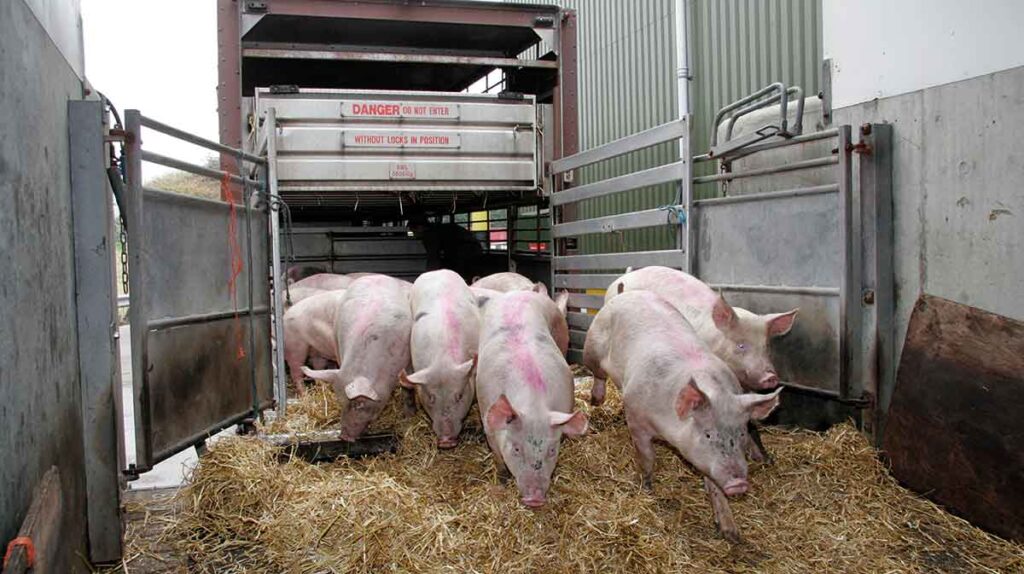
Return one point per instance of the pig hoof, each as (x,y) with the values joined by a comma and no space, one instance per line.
(596,400)
(648,484)
(504,476)
(732,535)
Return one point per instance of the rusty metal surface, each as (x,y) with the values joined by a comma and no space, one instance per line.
(954,430)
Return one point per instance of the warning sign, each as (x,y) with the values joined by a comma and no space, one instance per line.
(378,109)
(401,170)
(419,139)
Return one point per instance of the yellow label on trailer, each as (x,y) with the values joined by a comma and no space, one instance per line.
(478,221)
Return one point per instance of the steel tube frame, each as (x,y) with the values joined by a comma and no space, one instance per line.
(280,383)
(776,86)
(849,286)
(653,176)
(659,134)
(199,141)
(795,166)
(781,289)
(200,318)
(667,257)
(611,223)
(795,140)
(769,195)
(195,169)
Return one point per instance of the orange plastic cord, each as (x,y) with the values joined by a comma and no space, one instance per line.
(26,543)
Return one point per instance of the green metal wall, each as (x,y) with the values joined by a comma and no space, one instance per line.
(628,83)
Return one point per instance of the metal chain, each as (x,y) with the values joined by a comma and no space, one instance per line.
(123,237)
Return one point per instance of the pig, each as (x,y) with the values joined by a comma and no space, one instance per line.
(524,391)
(295,294)
(445,333)
(372,329)
(308,330)
(298,272)
(508,281)
(675,389)
(325,281)
(484,296)
(737,336)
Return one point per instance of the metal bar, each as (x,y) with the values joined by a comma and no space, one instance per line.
(137,310)
(785,289)
(199,318)
(577,281)
(781,96)
(581,301)
(795,140)
(199,141)
(849,312)
(579,320)
(396,57)
(647,177)
(768,195)
(667,258)
(574,356)
(610,223)
(686,237)
(787,167)
(720,115)
(876,182)
(647,138)
(194,169)
(280,382)
(250,277)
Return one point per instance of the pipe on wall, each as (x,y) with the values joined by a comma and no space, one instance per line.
(682,58)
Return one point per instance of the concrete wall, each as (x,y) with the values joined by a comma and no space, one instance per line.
(958,192)
(40,417)
(881,48)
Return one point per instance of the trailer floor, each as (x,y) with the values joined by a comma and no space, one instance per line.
(147,514)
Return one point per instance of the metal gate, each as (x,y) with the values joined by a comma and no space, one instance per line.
(199,308)
(825,248)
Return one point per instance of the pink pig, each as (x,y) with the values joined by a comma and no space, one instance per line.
(674,389)
(445,333)
(326,281)
(309,332)
(372,329)
(525,391)
(737,336)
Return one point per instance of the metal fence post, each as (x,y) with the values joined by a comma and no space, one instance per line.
(280,382)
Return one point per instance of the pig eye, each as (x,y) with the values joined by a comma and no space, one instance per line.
(458,398)
(515,449)
(551,452)
(741,347)
(708,435)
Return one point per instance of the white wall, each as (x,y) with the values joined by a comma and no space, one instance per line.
(883,48)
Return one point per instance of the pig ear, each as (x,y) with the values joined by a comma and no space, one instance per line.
(361,387)
(572,424)
(621,288)
(690,399)
(410,381)
(723,315)
(475,279)
(540,287)
(760,406)
(562,302)
(466,368)
(328,375)
(629,269)
(780,323)
(501,414)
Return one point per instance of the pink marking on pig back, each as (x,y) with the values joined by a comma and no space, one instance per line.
(691,291)
(451,326)
(686,347)
(522,359)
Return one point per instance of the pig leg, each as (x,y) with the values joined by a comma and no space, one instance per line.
(317,362)
(755,449)
(592,361)
(723,514)
(295,353)
(643,441)
(597,392)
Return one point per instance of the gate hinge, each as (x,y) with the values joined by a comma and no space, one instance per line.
(255,6)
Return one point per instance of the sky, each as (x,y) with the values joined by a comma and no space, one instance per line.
(159,57)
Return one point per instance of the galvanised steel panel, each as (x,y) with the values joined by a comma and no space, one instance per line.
(789,241)
(386,140)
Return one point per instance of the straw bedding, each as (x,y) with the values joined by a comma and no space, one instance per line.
(827,504)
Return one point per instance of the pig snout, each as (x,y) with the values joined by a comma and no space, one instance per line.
(534,498)
(736,487)
(769,381)
(447,435)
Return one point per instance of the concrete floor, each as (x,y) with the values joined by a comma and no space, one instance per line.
(170,473)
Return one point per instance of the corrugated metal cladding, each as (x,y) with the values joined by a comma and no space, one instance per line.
(628,83)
